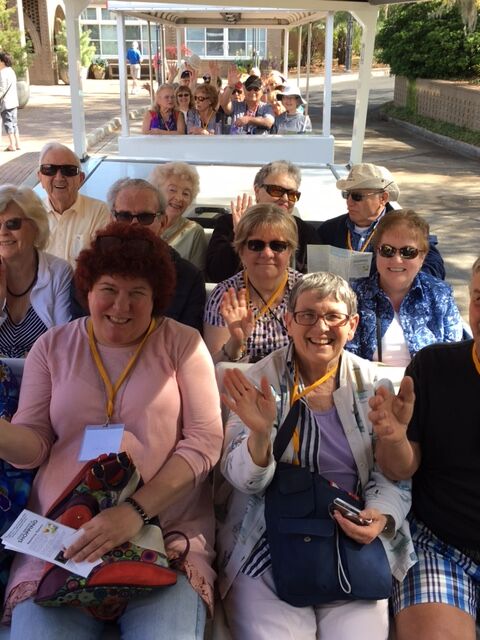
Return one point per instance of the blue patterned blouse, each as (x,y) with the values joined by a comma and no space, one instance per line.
(428,314)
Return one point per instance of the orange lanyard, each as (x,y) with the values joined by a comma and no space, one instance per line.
(272,298)
(110,389)
(476,361)
(365,244)
(297,395)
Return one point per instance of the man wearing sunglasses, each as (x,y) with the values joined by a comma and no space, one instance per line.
(136,201)
(276,183)
(73,218)
(367,190)
(250,116)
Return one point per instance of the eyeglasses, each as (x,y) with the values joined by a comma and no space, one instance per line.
(67,170)
(200,98)
(256,89)
(278,192)
(144,218)
(206,78)
(237,92)
(407,253)
(358,197)
(278,246)
(14,224)
(110,243)
(183,95)
(310,318)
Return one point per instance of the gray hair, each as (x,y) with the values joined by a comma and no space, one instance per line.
(162,172)
(135,183)
(266,216)
(278,166)
(32,208)
(325,285)
(57,146)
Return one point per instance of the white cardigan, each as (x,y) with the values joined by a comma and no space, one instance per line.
(50,296)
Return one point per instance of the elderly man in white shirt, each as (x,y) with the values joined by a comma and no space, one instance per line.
(73,218)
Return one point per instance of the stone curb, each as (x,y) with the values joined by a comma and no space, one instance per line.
(457,146)
(98,134)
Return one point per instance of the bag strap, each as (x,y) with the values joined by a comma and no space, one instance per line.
(285,431)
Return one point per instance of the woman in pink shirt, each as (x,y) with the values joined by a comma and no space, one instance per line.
(169,408)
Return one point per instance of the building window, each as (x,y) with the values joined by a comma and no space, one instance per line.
(103,32)
(89,14)
(227,42)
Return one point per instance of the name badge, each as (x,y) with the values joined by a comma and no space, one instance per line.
(99,439)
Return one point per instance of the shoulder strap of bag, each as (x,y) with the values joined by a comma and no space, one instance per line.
(285,431)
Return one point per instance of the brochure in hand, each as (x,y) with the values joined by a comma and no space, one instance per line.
(46,539)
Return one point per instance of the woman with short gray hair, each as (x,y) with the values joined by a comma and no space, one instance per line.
(316,390)
(34,285)
(179,182)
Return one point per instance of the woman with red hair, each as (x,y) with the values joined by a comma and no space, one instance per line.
(168,409)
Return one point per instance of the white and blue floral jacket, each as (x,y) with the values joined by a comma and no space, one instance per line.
(428,314)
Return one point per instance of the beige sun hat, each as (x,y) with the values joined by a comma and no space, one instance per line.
(193,61)
(370,176)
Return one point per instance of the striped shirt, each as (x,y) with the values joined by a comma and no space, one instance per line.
(269,332)
(17,339)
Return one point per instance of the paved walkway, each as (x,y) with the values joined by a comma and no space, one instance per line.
(437,183)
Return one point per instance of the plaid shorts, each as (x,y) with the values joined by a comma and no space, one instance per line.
(442,574)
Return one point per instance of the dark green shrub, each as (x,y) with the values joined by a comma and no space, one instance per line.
(418,41)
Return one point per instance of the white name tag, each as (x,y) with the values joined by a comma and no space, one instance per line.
(98,439)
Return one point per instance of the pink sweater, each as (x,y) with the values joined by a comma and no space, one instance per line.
(169,404)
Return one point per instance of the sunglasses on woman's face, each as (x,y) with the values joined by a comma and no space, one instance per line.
(183,95)
(407,253)
(237,92)
(278,246)
(67,170)
(356,196)
(200,98)
(14,224)
(278,192)
(145,218)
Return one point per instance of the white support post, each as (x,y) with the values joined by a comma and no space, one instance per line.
(368,21)
(286,43)
(73,9)
(164,55)
(122,73)
(309,58)
(299,54)
(327,84)
(150,61)
(179,46)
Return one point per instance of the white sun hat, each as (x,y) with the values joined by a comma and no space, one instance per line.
(291,89)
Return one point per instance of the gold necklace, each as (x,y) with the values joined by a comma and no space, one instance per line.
(205,126)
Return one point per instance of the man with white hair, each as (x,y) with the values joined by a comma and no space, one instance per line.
(367,190)
(73,218)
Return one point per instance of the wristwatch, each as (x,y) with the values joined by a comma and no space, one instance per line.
(389,528)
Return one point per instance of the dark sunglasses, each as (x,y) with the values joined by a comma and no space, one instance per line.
(206,78)
(278,192)
(407,253)
(108,243)
(67,170)
(183,95)
(237,92)
(358,197)
(14,224)
(145,218)
(310,318)
(200,98)
(256,89)
(279,246)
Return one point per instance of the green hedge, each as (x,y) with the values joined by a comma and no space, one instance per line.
(418,41)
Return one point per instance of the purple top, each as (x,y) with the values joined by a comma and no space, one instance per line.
(335,457)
